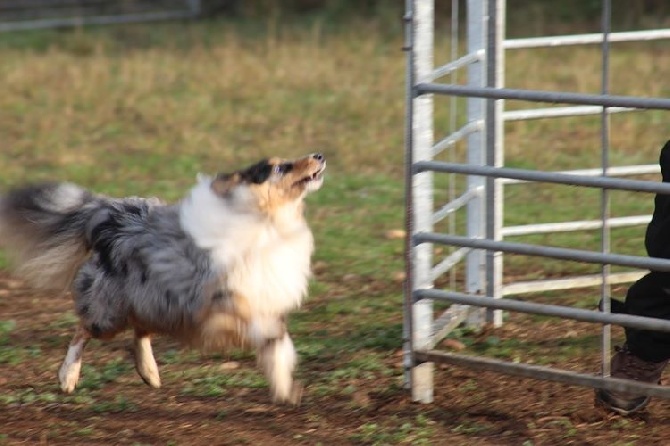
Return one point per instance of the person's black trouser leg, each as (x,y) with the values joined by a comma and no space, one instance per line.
(649,296)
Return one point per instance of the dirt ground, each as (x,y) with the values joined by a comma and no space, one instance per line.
(471,408)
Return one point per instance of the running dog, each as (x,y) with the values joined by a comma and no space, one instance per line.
(220,269)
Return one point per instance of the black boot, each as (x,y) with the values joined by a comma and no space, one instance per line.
(625,365)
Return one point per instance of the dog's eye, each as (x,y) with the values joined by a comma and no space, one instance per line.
(281,169)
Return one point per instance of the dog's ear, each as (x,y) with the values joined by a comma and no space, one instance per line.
(224,182)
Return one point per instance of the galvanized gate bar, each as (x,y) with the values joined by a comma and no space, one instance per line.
(543,96)
(419,198)
(577,255)
(548,177)
(456,204)
(495,146)
(455,65)
(192,12)
(582,39)
(588,280)
(543,228)
(577,314)
(447,263)
(475,270)
(458,135)
(560,112)
(613,171)
(543,373)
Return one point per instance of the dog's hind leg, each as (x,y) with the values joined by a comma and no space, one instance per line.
(278,358)
(68,375)
(145,363)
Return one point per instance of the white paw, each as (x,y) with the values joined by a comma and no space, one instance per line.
(68,375)
(292,395)
(149,374)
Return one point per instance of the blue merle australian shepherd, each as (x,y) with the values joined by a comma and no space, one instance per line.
(222,268)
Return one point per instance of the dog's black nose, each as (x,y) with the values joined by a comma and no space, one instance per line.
(318,156)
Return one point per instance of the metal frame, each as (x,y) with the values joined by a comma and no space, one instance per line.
(192,9)
(482,247)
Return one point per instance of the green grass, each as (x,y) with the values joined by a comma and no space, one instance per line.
(118,404)
(214,382)
(111,371)
(12,355)
(416,432)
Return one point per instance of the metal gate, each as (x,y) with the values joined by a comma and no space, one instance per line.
(481,245)
(17,15)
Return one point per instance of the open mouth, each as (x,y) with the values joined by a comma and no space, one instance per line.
(316,176)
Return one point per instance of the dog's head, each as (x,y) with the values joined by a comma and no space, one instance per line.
(273,183)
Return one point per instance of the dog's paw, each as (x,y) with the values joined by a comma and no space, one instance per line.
(148,370)
(145,363)
(292,397)
(150,377)
(68,376)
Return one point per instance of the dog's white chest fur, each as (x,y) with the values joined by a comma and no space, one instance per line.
(266,261)
(273,272)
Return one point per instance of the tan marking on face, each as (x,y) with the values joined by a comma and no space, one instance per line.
(279,191)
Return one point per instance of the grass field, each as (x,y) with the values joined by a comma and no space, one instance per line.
(140,110)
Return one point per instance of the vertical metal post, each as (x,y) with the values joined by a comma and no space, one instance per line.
(475,269)
(495,72)
(408,347)
(453,122)
(421,189)
(605,196)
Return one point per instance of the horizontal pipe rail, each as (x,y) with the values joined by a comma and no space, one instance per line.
(548,177)
(577,314)
(543,96)
(568,226)
(584,39)
(586,281)
(560,112)
(577,255)
(542,373)
(641,169)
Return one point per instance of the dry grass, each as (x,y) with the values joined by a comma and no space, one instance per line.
(98,104)
(211,96)
(635,138)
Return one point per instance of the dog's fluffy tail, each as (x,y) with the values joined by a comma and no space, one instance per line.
(43,227)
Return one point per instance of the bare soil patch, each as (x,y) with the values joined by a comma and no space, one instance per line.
(471,408)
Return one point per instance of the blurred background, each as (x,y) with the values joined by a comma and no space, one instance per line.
(544,14)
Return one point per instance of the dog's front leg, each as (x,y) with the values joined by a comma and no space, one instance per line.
(145,363)
(277,358)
